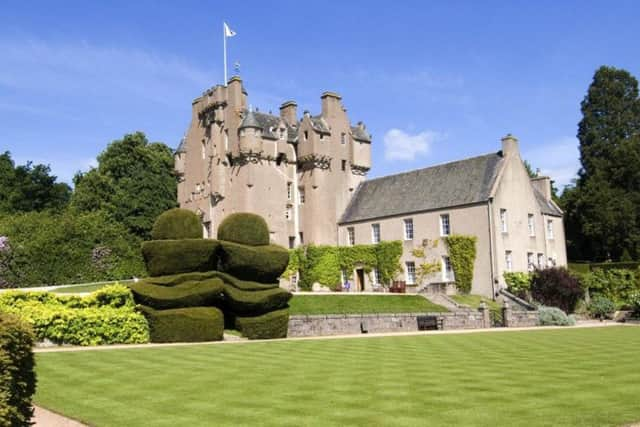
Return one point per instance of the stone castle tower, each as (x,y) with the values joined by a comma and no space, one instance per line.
(298,173)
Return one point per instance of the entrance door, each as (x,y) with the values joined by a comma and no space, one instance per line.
(360,279)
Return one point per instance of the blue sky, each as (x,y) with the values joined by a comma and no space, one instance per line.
(433,81)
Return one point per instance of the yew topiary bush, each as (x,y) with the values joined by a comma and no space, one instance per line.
(176,224)
(190,293)
(192,324)
(244,228)
(267,326)
(167,257)
(262,264)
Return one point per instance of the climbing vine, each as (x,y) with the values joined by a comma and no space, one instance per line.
(324,264)
(462,254)
(425,268)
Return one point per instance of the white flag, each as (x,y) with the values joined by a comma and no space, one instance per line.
(228,32)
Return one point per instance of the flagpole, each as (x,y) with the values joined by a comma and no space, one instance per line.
(224,39)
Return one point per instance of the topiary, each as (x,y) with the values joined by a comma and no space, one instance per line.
(176,224)
(167,257)
(244,228)
(262,264)
(193,324)
(191,293)
(267,326)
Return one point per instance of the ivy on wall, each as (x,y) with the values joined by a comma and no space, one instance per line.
(323,264)
(462,254)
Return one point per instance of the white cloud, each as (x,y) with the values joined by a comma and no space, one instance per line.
(399,145)
(558,158)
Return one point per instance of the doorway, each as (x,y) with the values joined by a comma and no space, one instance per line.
(360,279)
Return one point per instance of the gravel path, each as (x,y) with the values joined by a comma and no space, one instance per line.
(45,418)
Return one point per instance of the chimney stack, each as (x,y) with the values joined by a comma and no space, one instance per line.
(543,185)
(289,112)
(331,105)
(510,146)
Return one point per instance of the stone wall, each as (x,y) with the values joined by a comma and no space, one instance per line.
(350,324)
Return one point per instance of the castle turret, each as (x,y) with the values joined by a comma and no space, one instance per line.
(360,149)
(250,134)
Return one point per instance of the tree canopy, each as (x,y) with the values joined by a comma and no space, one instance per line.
(134,182)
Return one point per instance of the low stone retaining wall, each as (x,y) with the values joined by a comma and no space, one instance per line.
(350,324)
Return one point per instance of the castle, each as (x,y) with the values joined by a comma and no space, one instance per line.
(307,178)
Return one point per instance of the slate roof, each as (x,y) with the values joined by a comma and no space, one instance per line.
(268,123)
(320,125)
(451,184)
(181,147)
(360,134)
(547,207)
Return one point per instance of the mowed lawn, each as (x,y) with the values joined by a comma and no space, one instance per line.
(576,377)
(361,304)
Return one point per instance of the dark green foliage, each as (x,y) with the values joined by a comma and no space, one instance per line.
(462,253)
(194,324)
(166,257)
(134,182)
(556,287)
(255,302)
(191,293)
(628,265)
(17,375)
(176,224)
(602,210)
(51,249)
(176,279)
(601,307)
(244,285)
(244,228)
(267,326)
(615,284)
(257,263)
(29,188)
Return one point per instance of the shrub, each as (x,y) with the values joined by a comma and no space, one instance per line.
(257,263)
(193,324)
(462,252)
(17,376)
(553,316)
(191,293)
(244,228)
(601,307)
(167,257)
(105,317)
(634,303)
(176,224)
(518,283)
(556,287)
(267,326)
(251,303)
(614,284)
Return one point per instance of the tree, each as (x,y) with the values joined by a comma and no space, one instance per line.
(28,188)
(134,182)
(603,210)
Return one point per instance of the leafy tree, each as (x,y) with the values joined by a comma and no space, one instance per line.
(28,188)
(134,182)
(603,210)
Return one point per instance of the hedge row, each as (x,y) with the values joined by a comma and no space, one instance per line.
(17,376)
(190,293)
(194,324)
(258,263)
(165,257)
(267,326)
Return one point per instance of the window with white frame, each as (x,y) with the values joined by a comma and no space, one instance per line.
(351,236)
(445,225)
(551,262)
(503,221)
(531,263)
(408,229)
(410,272)
(508,261)
(289,191)
(447,269)
(375,233)
(540,260)
(531,225)
(550,229)
(301,195)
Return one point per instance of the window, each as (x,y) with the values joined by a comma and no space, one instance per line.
(343,138)
(550,229)
(306,135)
(445,225)
(376,276)
(503,220)
(321,136)
(375,233)
(532,225)
(408,229)
(292,242)
(531,263)
(289,191)
(204,150)
(447,270)
(226,140)
(540,260)
(287,213)
(351,236)
(344,165)
(301,238)
(207,230)
(508,261)
(410,275)
(282,133)
(551,262)
(301,195)
(294,281)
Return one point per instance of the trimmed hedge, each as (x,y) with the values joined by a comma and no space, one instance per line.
(176,279)
(191,293)
(244,285)
(17,375)
(166,257)
(267,326)
(244,228)
(253,303)
(193,324)
(262,264)
(176,224)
